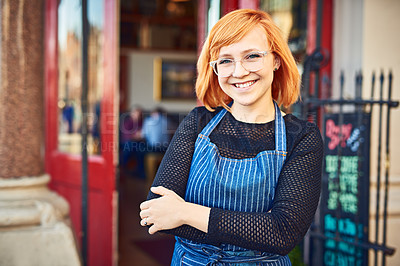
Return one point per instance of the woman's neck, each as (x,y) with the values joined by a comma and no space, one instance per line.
(253,114)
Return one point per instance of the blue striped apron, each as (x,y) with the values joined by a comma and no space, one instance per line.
(246,185)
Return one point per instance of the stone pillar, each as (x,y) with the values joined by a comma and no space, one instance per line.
(34,224)
(21,92)
(34,221)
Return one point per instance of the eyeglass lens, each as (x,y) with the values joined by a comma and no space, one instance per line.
(252,62)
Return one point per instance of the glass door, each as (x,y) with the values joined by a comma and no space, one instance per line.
(63,70)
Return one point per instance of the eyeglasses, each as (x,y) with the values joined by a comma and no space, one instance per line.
(252,62)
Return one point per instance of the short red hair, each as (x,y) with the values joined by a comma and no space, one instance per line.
(232,28)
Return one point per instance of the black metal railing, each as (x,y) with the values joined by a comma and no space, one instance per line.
(340,234)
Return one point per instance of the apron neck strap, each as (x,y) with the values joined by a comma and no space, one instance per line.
(280,129)
(213,123)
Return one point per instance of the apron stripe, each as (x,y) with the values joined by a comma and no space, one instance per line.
(233,184)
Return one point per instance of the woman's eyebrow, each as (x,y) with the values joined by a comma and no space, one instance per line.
(244,52)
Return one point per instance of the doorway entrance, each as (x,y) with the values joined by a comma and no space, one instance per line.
(155,37)
(63,105)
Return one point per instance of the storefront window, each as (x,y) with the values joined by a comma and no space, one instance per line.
(159,25)
(70,75)
(291,17)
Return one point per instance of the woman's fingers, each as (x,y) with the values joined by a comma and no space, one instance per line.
(144,213)
(160,190)
(157,190)
(157,213)
(144,222)
(145,204)
(153,229)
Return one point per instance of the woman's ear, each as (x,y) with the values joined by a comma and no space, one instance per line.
(277,62)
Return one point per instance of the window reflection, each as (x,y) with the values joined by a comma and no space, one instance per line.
(70,75)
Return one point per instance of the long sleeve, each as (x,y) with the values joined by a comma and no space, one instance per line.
(174,169)
(296,200)
(297,192)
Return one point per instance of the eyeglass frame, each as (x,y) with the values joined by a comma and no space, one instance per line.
(213,63)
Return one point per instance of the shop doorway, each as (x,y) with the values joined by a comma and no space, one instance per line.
(154,35)
(64,98)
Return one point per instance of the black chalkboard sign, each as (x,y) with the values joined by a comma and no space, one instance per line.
(344,204)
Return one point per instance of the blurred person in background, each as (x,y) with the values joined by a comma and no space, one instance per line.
(132,145)
(155,131)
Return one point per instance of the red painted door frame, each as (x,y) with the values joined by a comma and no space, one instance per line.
(325,42)
(65,169)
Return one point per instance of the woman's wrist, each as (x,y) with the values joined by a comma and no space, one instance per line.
(196,216)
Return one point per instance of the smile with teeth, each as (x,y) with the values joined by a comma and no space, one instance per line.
(244,85)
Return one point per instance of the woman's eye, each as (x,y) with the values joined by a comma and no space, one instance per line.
(252,56)
(224,61)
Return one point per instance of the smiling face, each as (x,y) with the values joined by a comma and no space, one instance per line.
(250,91)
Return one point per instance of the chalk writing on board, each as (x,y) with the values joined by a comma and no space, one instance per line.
(344,213)
(337,134)
(344,190)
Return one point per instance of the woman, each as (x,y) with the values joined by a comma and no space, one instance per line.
(240,182)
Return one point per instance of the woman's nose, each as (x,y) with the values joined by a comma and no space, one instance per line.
(239,70)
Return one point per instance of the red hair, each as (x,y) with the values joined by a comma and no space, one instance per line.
(230,29)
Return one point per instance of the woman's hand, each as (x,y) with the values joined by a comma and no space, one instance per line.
(162,213)
(171,211)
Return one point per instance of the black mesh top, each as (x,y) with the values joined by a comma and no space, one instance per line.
(297,192)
